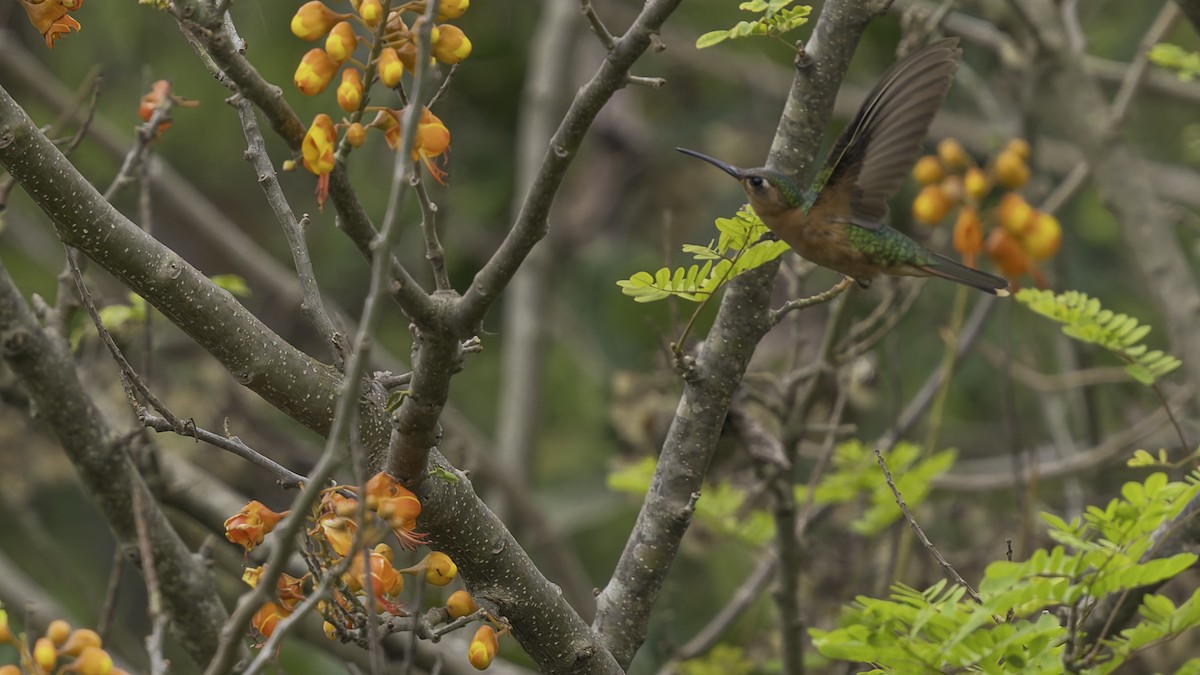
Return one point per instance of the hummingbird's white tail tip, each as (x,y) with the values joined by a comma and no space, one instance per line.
(1002,292)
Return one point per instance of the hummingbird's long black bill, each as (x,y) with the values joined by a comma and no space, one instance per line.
(724,166)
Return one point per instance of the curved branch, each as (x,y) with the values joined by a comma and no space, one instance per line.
(531,224)
(743,318)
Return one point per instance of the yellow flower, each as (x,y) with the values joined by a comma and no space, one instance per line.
(390,68)
(50,17)
(483,648)
(341,43)
(452,9)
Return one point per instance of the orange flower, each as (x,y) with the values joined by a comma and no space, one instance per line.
(159,92)
(1007,254)
(976,184)
(50,17)
(313,20)
(341,43)
(452,45)
(339,532)
(396,505)
(81,639)
(350,91)
(44,654)
(267,618)
(952,154)
(317,151)
(433,140)
(483,647)
(968,235)
(386,582)
(315,72)
(250,525)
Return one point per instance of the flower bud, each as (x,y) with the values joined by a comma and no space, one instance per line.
(313,20)
(92,661)
(975,184)
(931,205)
(1041,241)
(315,72)
(58,631)
(1010,170)
(452,46)
(952,154)
(1020,147)
(350,91)
(389,67)
(1015,214)
(451,9)
(1006,253)
(79,640)
(44,654)
(356,135)
(928,170)
(341,43)
(371,12)
(460,604)
(439,569)
(483,648)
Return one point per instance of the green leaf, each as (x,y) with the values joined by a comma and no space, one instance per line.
(712,38)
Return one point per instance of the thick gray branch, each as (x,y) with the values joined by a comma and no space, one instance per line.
(98,454)
(624,605)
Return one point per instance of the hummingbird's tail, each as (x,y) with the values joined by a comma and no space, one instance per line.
(941,266)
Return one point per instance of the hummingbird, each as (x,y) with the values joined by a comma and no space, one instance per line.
(838,222)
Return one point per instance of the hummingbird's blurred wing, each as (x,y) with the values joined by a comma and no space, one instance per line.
(877,149)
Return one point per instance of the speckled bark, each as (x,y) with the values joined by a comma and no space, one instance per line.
(291,380)
(624,605)
(99,456)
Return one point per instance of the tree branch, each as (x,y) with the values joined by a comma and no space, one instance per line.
(98,454)
(624,604)
(531,224)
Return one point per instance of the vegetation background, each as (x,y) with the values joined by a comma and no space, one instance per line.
(603,387)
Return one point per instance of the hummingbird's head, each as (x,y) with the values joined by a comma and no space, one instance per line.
(770,191)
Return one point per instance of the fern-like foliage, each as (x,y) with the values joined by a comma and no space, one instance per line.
(739,247)
(1086,321)
(777,18)
(1100,555)
(854,476)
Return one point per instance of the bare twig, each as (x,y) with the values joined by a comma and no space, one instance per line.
(912,522)
(1141,62)
(154,643)
(598,27)
(801,303)
(284,477)
(311,306)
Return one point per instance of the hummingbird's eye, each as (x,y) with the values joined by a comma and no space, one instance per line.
(755,182)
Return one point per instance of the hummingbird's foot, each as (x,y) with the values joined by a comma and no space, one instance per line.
(862,283)
(802,60)
(767,236)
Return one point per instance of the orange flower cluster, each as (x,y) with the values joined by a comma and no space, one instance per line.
(317,69)
(78,650)
(51,17)
(1021,235)
(337,538)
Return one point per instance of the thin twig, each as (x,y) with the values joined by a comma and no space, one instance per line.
(284,477)
(154,642)
(598,27)
(437,95)
(311,306)
(912,522)
(434,253)
(1140,64)
(801,303)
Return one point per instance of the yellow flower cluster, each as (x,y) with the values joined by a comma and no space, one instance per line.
(70,650)
(397,55)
